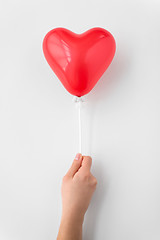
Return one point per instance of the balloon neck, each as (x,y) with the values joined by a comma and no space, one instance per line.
(78,99)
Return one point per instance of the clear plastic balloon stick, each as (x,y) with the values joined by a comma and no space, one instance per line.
(80,126)
(78,101)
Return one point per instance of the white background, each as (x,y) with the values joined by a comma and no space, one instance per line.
(38,124)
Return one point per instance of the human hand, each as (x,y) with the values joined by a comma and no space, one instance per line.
(78,186)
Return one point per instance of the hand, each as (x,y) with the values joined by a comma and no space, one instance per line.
(78,186)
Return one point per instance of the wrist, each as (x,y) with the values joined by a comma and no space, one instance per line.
(70,227)
(73,219)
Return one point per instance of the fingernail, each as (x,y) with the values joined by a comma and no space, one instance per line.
(78,156)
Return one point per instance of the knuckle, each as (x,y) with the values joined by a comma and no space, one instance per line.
(94,181)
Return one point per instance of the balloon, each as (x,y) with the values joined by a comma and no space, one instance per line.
(79,60)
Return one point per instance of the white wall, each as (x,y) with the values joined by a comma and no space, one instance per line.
(38,128)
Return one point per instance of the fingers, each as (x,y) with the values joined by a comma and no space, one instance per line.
(83,162)
(75,165)
(86,163)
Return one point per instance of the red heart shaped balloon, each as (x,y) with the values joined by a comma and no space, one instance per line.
(79,60)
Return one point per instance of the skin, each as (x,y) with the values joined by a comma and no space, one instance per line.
(78,186)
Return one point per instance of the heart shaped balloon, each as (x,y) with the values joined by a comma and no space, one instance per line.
(79,60)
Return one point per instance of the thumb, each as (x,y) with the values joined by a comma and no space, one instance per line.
(75,165)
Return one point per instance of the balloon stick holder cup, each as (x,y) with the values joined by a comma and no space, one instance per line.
(79,101)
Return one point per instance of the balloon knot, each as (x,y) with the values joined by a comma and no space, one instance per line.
(78,99)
